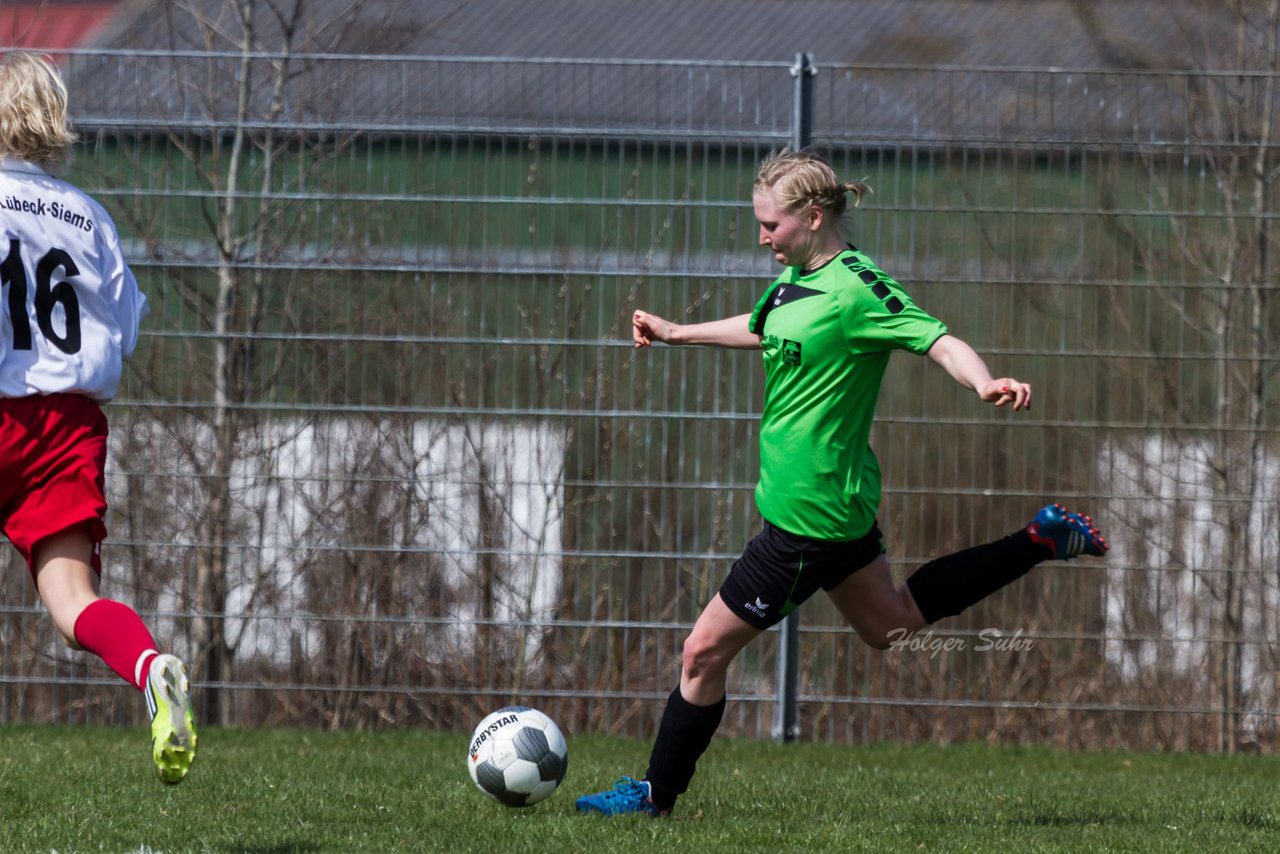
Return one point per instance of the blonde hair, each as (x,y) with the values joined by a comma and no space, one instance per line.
(34,122)
(801,178)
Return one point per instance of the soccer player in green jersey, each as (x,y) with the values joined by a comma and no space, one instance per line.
(826,326)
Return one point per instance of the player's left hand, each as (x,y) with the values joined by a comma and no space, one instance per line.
(1007,390)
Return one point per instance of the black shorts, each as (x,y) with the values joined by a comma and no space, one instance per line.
(779,570)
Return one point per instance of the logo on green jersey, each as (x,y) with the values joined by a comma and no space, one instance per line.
(790,352)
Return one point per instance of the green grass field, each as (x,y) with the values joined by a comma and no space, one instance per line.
(70,789)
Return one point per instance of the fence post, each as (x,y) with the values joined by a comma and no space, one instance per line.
(785,727)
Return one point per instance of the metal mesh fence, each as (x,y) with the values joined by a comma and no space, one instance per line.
(386,456)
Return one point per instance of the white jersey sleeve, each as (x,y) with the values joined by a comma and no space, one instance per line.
(71,306)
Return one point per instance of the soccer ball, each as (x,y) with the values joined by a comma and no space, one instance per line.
(518,756)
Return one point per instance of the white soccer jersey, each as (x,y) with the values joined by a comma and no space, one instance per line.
(70,305)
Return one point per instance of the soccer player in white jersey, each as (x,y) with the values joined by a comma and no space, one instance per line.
(68,317)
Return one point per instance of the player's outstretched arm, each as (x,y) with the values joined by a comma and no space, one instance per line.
(731,332)
(967,368)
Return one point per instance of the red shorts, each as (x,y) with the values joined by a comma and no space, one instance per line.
(53,450)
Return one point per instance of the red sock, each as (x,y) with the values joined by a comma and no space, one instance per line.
(115,633)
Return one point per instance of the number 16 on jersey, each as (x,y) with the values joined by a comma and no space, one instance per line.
(49,297)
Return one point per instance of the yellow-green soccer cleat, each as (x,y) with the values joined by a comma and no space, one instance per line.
(173,730)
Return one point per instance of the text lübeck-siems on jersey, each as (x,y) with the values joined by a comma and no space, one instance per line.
(53,209)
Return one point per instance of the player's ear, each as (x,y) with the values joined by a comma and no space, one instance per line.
(816,217)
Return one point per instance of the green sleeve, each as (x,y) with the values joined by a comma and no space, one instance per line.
(881,316)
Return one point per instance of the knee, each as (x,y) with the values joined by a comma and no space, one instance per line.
(699,657)
(877,640)
(879,643)
(882,636)
(898,619)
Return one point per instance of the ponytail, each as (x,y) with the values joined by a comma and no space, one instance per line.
(859,189)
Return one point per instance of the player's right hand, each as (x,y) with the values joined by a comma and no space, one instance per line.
(647,328)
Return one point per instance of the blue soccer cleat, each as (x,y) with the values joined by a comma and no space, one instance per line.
(626,796)
(1067,534)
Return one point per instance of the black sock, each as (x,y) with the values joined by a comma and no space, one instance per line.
(683,736)
(946,586)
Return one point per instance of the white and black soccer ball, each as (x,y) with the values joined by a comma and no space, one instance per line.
(517,756)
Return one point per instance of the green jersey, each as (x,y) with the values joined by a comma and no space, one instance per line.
(827,336)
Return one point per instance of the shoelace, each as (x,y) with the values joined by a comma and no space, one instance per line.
(626,789)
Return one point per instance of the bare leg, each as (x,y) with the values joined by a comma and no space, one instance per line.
(875,606)
(695,708)
(65,579)
(717,638)
(68,587)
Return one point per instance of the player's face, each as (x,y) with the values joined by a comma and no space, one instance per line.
(790,236)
